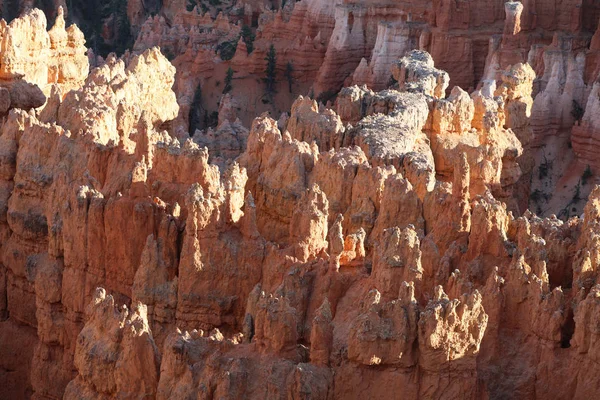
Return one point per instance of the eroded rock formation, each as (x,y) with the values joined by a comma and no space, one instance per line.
(373,245)
(323,47)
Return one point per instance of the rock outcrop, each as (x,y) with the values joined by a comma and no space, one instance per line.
(115,353)
(44,58)
(358,248)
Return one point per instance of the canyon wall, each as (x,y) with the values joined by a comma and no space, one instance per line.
(362,249)
(330,45)
(367,237)
(322,47)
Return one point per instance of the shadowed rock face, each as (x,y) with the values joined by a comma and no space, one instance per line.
(374,245)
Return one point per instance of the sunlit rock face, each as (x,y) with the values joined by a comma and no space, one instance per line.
(371,241)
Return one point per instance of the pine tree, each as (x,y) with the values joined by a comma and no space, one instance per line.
(226,50)
(94,22)
(10,10)
(195,115)
(121,26)
(228,79)
(248,38)
(270,72)
(289,70)
(47,6)
(190,5)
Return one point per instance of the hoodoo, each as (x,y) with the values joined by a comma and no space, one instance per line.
(241,199)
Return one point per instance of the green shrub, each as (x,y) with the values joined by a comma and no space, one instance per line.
(577,111)
(536,195)
(168,53)
(226,50)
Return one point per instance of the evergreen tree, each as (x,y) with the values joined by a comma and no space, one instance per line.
(190,5)
(153,7)
(248,38)
(270,72)
(10,10)
(228,79)
(226,50)
(117,9)
(94,16)
(289,70)
(195,115)
(47,6)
